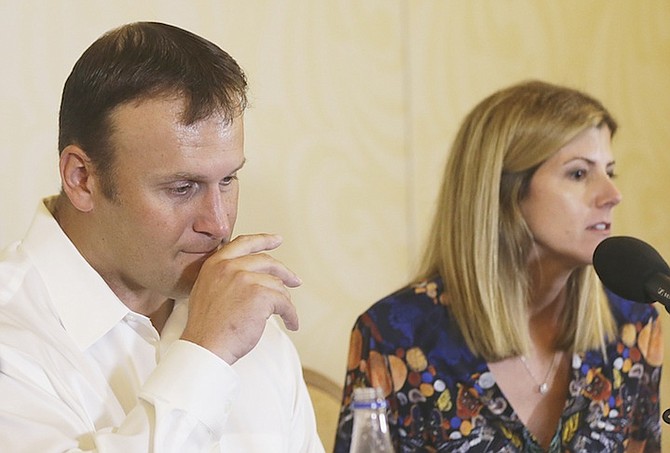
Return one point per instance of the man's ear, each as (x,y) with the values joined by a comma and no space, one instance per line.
(77,177)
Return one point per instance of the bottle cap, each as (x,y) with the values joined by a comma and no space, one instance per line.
(368,398)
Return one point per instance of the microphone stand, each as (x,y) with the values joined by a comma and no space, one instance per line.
(666,413)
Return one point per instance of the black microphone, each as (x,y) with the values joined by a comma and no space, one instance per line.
(633,269)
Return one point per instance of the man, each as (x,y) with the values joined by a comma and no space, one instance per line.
(99,349)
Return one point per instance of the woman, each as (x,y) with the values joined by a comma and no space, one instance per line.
(506,341)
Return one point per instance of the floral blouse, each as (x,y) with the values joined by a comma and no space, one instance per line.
(442,398)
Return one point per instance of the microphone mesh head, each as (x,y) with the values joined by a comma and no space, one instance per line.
(625,264)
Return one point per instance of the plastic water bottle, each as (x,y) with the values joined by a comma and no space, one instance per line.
(370,433)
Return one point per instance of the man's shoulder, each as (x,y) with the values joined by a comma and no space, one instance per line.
(26,312)
(274,349)
(16,272)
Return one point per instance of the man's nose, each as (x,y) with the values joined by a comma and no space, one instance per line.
(212,218)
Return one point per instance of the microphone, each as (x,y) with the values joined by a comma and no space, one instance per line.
(633,269)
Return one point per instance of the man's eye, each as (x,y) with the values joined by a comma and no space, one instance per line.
(228,180)
(182,189)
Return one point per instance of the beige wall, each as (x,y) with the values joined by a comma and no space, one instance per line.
(354,104)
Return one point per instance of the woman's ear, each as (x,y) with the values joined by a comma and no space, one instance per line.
(77,177)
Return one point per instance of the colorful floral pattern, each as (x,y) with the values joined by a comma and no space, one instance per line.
(444,399)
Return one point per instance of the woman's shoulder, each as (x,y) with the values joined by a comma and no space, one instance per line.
(414,309)
(424,296)
(626,311)
(414,316)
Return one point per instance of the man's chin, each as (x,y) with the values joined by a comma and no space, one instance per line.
(181,291)
(186,281)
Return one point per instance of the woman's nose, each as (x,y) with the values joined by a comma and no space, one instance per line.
(609,194)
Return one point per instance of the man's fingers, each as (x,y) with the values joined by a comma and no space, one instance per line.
(279,301)
(288,314)
(260,263)
(252,245)
(248,244)
(239,287)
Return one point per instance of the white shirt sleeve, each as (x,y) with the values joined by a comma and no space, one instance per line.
(181,408)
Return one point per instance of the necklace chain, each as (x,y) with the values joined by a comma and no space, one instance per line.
(542,387)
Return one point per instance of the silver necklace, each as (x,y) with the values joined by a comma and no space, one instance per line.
(542,387)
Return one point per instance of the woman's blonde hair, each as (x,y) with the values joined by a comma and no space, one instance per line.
(480,243)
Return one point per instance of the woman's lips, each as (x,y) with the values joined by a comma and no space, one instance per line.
(600,226)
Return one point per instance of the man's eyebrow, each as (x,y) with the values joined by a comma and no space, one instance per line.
(239,167)
(189,176)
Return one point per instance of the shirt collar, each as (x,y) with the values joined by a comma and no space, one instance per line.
(87,307)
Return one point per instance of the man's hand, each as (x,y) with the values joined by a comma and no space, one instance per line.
(237,290)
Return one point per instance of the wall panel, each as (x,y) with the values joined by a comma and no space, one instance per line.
(354,104)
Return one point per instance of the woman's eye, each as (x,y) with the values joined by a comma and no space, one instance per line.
(578,174)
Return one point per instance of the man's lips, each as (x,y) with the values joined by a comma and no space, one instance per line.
(202,252)
(204,248)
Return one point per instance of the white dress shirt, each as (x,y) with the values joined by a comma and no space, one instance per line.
(79,371)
